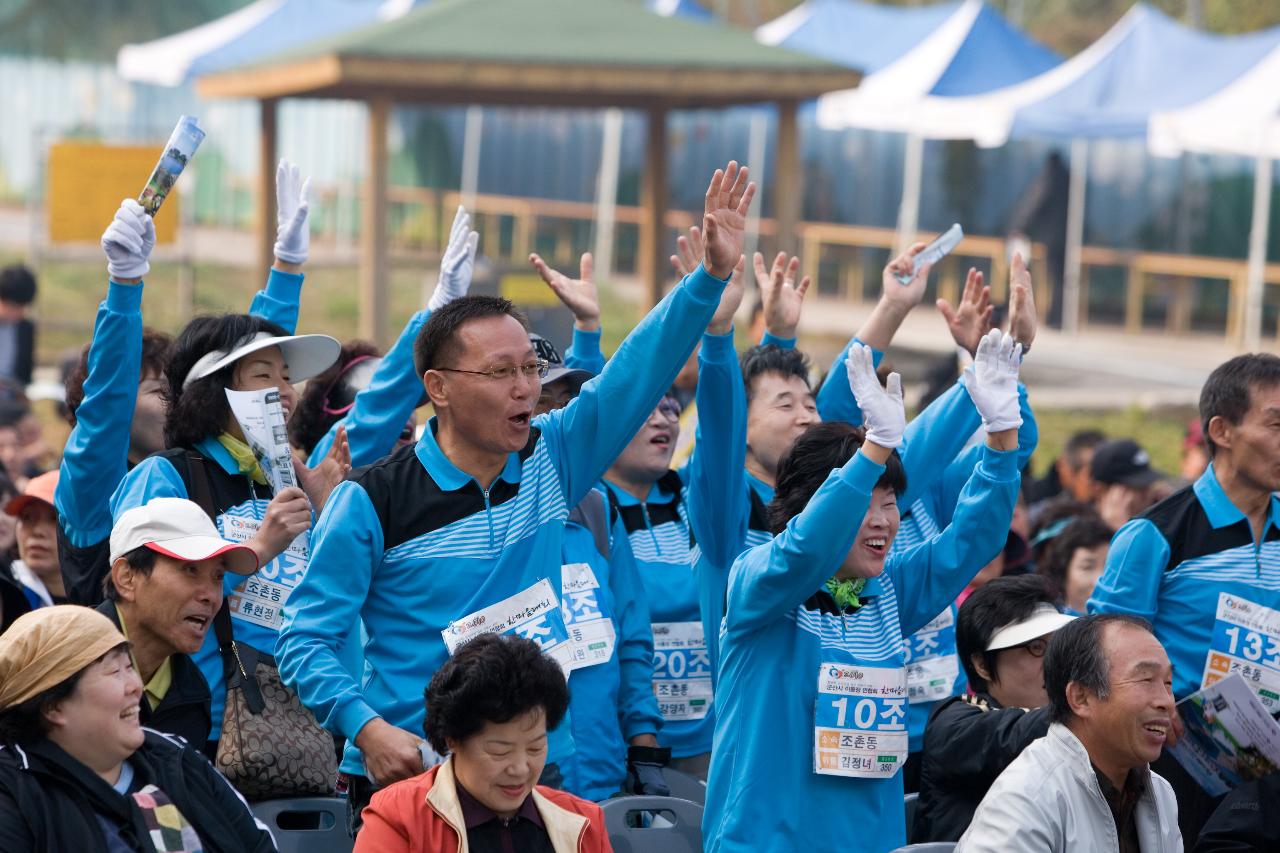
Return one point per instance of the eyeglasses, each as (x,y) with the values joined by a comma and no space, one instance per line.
(670,407)
(1036,648)
(506,372)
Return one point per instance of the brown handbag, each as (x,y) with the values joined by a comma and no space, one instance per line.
(271,745)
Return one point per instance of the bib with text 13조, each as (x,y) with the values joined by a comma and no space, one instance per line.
(533,614)
(1246,639)
(932,665)
(260,598)
(860,721)
(681,671)
(590,630)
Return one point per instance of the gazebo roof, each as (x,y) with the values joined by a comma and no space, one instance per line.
(588,53)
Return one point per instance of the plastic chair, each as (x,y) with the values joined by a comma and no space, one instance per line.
(928,847)
(909,804)
(626,820)
(685,787)
(307,824)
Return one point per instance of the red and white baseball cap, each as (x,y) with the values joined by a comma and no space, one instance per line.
(180,529)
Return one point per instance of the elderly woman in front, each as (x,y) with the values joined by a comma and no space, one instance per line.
(77,770)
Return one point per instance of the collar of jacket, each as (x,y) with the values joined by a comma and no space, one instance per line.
(564,828)
(1082,765)
(46,758)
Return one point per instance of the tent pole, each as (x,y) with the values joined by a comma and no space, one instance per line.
(909,207)
(755,160)
(1075,235)
(266,213)
(653,203)
(471,135)
(373,232)
(788,190)
(607,193)
(1256,290)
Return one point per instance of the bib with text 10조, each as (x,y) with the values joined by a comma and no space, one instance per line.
(533,614)
(932,665)
(1246,639)
(260,598)
(681,671)
(860,721)
(590,630)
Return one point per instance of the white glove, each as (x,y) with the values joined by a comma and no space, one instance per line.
(293,237)
(458,262)
(128,241)
(883,414)
(992,381)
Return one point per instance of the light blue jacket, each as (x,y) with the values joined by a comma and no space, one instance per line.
(763,793)
(409,592)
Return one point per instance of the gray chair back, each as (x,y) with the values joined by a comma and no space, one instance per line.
(929,847)
(909,804)
(653,825)
(685,787)
(307,824)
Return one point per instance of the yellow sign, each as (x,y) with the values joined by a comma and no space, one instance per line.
(527,290)
(86,182)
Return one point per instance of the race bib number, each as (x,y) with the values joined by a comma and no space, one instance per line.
(860,721)
(533,614)
(590,631)
(260,598)
(681,670)
(932,665)
(1246,639)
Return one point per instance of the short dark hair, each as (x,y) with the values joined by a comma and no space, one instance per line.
(1085,531)
(492,679)
(155,355)
(771,358)
(818,450)
(437,342)
(1075,654)
(17,285)
(1085,439)
(201,409)
(999,602)
(25,722)
(310,421)
(1228,392)
(141,559)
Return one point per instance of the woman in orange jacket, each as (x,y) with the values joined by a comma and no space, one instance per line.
(489,707)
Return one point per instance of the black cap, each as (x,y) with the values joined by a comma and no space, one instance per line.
(556,370)
(1122,461)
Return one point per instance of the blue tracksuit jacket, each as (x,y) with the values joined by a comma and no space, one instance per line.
(412,545)
(781,639)
(1191,566)
(678,531)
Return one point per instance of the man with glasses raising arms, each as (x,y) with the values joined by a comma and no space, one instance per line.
(461,534)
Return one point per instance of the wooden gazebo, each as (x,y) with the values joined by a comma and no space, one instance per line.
(555,53)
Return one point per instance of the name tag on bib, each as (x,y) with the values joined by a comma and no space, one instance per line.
(533,614)
(681,670)
(860,721)
(261,597)
(591,632)
(932,665)
(1246,639)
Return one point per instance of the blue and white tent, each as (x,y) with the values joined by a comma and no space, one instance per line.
(260,29)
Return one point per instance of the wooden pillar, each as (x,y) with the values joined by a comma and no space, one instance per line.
(652,261)
(266,201)
(373,231)
(787,185)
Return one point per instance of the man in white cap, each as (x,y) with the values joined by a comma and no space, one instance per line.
(1002,632)
(167,569)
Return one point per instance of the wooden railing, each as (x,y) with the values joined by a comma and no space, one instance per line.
(1179,273)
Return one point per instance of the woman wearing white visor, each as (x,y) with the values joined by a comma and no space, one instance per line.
(210,461)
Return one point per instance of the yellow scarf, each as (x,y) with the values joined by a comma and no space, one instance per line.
(244,457)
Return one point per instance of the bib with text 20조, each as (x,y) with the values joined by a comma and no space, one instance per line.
(932,665)
(590,630)
(681,670)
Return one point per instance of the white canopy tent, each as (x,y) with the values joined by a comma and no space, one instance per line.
(1243,119)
